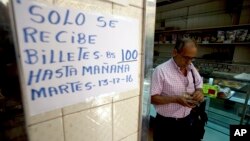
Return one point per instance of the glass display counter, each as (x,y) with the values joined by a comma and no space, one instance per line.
(231,105)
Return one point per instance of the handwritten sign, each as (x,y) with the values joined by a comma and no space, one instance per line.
(69,55)
(121,2)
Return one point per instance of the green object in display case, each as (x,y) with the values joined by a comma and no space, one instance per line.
(210,90)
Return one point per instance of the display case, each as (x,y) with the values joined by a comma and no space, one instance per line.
(231,105)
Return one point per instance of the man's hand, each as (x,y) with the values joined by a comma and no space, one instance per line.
(182,100)
(198,96)
(185,101)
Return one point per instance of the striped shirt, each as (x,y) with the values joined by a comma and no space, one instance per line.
(168,80)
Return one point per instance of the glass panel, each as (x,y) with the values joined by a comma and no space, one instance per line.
(228,107)
(149,24)
(12,126)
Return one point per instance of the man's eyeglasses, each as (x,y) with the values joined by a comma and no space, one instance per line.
(187,58)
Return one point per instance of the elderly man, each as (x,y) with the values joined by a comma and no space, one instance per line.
(176,88)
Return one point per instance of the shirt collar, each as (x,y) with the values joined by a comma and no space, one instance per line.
(189,67)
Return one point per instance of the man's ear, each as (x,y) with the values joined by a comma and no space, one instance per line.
(174,53)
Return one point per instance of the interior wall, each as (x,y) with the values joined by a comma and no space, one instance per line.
(241,53)
(195,15)
(245,13)
(109,118)
(201,15)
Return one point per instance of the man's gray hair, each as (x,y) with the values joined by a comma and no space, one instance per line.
(181,43)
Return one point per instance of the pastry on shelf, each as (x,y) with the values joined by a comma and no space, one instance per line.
(232,84)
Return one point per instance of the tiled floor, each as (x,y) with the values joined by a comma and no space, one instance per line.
(214,132)
(213,135)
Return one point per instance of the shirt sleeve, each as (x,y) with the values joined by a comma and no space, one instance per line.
(198,79)
(157,82)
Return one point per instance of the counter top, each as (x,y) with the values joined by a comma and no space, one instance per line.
(239,97)
(229,76)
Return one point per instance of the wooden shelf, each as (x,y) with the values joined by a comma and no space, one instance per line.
(208,28)
(243,43)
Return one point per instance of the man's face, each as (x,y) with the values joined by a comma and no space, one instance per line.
(187,54)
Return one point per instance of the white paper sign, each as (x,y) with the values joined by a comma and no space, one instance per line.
(69,55)
(121,2)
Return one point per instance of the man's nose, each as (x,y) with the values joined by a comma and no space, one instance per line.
(189,61)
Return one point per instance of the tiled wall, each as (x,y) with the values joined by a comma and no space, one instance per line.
(110,118)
